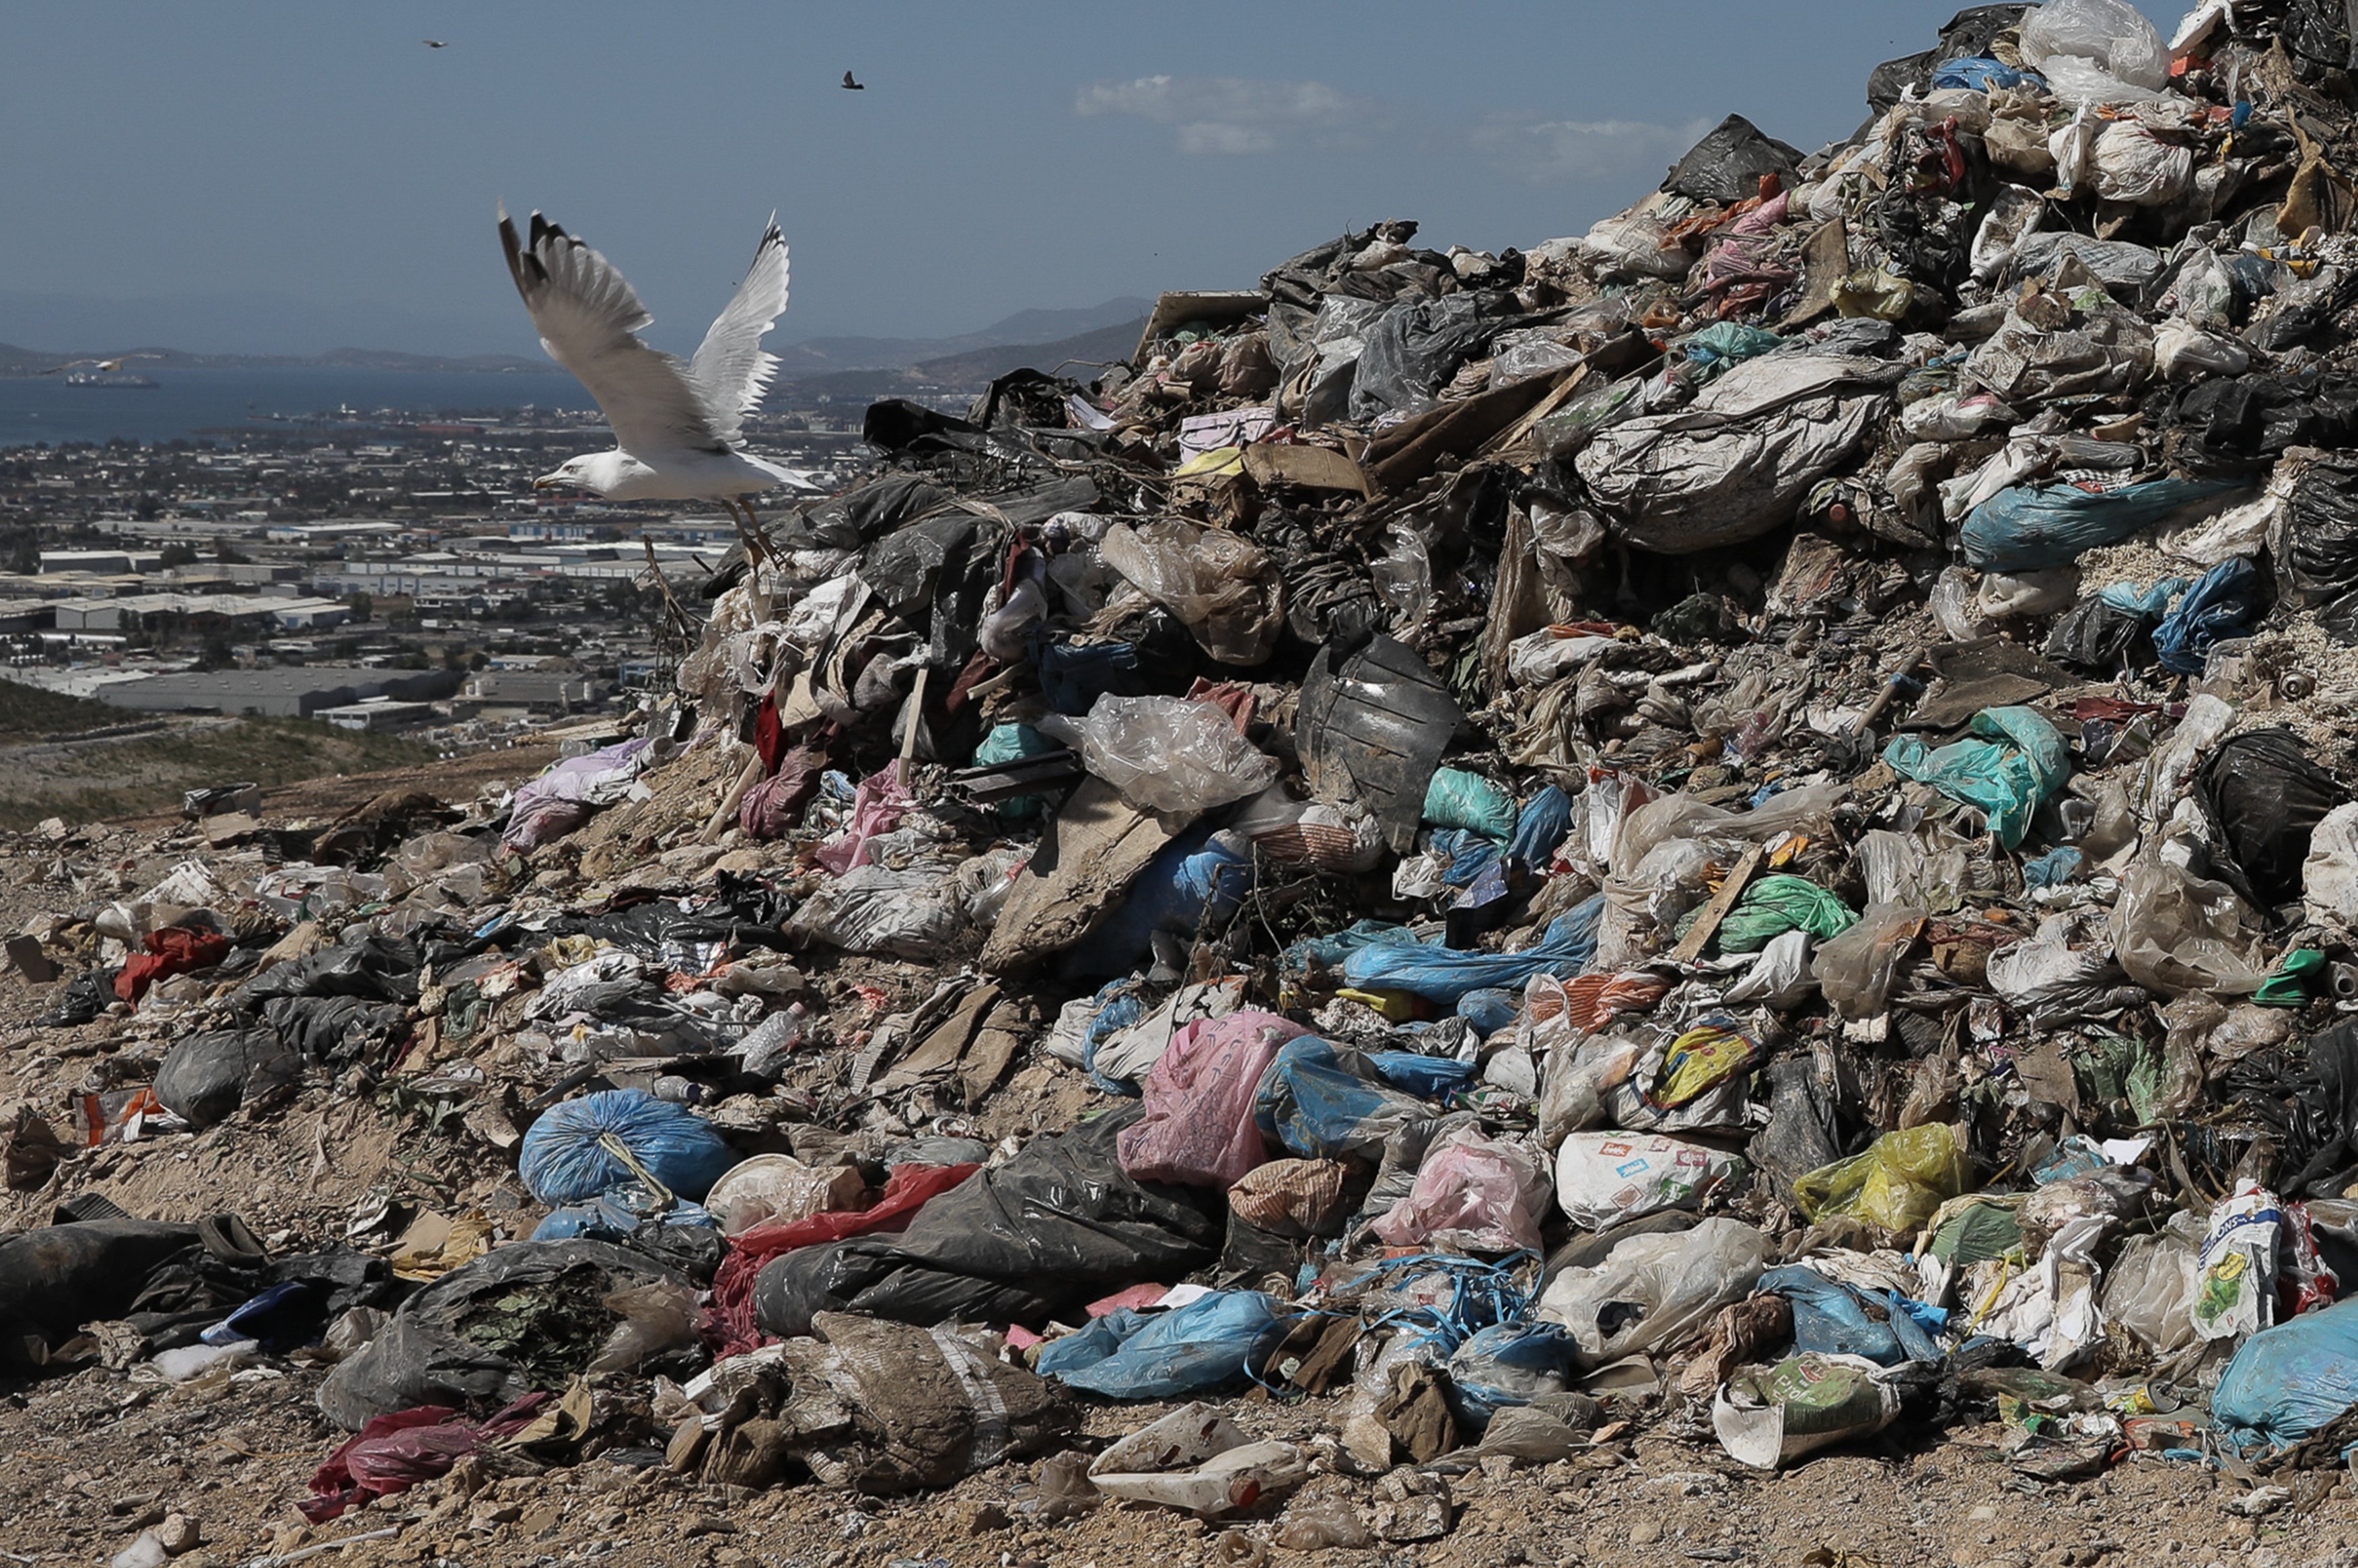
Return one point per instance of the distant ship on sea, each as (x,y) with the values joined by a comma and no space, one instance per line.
(117,378)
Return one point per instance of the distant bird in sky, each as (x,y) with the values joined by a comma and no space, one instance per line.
(436,43)
(855,86)
(677,425)
(110,365)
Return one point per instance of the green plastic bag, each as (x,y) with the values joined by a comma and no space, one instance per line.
(2296,973)
(1898,1183)
(1776,904)
(2009,772)
(1456,798)
(1770,1416)
(1013,744)
(1980,1230)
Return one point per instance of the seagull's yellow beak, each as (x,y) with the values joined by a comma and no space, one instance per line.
(547,481)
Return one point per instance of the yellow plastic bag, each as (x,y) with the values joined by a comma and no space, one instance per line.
(1898,1183)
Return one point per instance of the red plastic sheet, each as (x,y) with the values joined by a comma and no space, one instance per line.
(174,950)
(732,1327)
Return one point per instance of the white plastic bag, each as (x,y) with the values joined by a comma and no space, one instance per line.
(2176,933)
(2236,1295)
(2003,595)
(2095,51)
(1673,1282)
(1635,246)
(1223,587)
(2182,350)
(2135,166)
(1166,754)
(1604,1178)
(2329,878)
(778,1189)
(1856,969)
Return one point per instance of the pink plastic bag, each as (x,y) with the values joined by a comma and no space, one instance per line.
(1472,1195)
(877,808)
(1198,1128)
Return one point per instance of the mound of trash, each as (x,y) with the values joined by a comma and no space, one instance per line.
(1740,822)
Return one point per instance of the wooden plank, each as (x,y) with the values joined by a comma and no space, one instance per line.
(1091,854)
(1706,924)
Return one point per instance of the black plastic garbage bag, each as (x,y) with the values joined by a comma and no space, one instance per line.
(1374,722)
(54,1280)
(2264,798)
(1968,35)
(2098,637)
(85,996)
(336,1029)
(2232,427)
(2305,1101)
(1801,1135)
(528,1316)
(2313,549)
(1054,1228)
(1414,348)
(1728,164)
(205,1078)
(377,968)
(294,1299)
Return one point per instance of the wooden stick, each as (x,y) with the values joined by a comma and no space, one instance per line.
(730,802)
(1706,924)
(909,735)
(1884,698)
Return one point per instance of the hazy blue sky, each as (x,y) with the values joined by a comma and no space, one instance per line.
(296,177)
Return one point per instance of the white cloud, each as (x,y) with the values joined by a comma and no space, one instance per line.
(1585,149)
(1232,115)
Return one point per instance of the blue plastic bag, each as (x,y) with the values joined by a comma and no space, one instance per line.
(1489,1010)
(2150,603)
(1443,975)
(2287,1383)
(2031,528)
(1836,1319)
(614,1217)
(2213,611)
(2019,762)
(1319,1110)
(1201,1347)
(1508,1364)
(1194,877)
(565,1159)
(1310,952)
(1469,855)
(1073,676)
(1119,1004)
(1722,346)
(1980,73)
(1013,743)
(1541,828)
(1431,1077)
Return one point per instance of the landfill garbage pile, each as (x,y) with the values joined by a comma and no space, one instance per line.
(1738,825)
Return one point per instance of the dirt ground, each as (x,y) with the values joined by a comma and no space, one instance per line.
(124,777)
(94,1456)
(97,1456)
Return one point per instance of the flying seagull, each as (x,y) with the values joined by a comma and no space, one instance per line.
(677,425)
(855,86)
(436,43)
(110,365)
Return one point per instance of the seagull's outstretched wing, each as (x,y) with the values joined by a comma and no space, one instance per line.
(589,317)
(730,369)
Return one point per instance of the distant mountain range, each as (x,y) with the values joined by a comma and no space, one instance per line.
(1028,336)
(17,362)
(820,356)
